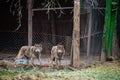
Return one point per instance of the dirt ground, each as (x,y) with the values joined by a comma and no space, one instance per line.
(7,56)
(45,59)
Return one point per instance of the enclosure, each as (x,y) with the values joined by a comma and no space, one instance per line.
(53,25)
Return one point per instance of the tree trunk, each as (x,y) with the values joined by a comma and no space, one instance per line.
(115,47)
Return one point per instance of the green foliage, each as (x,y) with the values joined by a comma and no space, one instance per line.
(6,74)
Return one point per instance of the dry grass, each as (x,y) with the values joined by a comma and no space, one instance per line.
(104,71)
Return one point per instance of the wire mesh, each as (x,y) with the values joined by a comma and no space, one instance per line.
(12,41)
(47,43)
(91,15)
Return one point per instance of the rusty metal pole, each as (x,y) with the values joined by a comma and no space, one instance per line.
(29,22)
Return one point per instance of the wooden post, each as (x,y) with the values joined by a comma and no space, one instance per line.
(76,34)
(29,22)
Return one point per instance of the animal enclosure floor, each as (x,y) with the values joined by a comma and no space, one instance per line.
(46,58)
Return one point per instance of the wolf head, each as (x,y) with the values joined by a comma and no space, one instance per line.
(37,48)
(60,51)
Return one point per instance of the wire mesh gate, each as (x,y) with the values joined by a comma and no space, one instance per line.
(91,27)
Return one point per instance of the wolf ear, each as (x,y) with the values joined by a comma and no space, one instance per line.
(35,44)
(40,45)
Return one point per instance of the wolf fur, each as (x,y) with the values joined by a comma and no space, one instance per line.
(57,54)
(30,53)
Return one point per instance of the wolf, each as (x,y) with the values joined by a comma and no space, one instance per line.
(30,53)
(57,54)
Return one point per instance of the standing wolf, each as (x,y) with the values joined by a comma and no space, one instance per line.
(30,53)
(57,53)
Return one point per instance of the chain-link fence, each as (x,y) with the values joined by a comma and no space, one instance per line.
(47,41)
(51,29)
(13,41)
